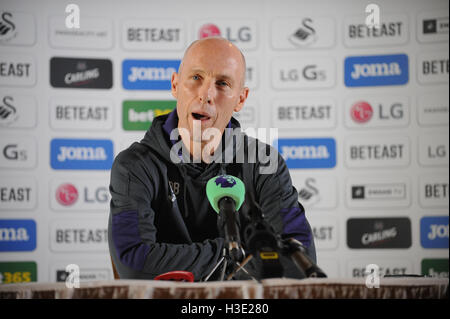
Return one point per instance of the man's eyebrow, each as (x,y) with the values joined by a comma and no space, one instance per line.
(225,77)
(218,76)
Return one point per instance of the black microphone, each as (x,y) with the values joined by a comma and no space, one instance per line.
(301,259)
(226,194)
(262,242)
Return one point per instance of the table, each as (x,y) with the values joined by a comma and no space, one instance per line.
(279,288)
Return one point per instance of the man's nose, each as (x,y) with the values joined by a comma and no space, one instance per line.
(207,92)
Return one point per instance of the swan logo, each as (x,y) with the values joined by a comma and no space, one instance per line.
(7,27)
(305,35)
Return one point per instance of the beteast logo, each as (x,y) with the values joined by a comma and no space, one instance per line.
(434,190)
(17,69)
(81,154)
(376,70)
(325,233)
(66,194)
(81,73)
(308,153)
(17,193)
(387,267)
(148,74)
(68,113)
(78,236)
(434,232)
(17,235)
(378,233)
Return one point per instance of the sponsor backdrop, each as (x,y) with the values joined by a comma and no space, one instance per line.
(362,116)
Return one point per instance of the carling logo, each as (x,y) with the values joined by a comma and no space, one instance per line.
(379,233)
(376,70)
(81,154)
(17,235)
(434,232)
(81,73)
(148,74)
(308,152)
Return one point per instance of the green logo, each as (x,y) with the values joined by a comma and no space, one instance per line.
(17,272)
(139,115)
(435,268)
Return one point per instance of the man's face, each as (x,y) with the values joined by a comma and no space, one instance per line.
(209,85)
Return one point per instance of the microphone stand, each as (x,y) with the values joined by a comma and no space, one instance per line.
(263,242)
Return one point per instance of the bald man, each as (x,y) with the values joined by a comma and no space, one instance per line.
(160,218)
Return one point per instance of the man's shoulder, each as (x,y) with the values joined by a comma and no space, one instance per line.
(137,154)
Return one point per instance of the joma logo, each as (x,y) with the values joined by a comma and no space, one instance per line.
(375,69)
(13,234)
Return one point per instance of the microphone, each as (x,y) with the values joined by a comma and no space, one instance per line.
(226,194)
(299,256)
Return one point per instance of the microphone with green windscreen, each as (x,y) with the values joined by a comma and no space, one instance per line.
(226,194)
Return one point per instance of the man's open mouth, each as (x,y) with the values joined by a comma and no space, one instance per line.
(200,116)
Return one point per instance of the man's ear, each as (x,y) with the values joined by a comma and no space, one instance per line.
(174,84)
(242,97)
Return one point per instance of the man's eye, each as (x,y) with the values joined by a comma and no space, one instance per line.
(195,77)
(222,83)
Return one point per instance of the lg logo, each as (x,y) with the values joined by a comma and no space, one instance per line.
(13,152)
(242,34)
(310,73)
(362,111)
(73,19)
(67,194)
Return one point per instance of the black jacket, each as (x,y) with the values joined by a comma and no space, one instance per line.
(161,220)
